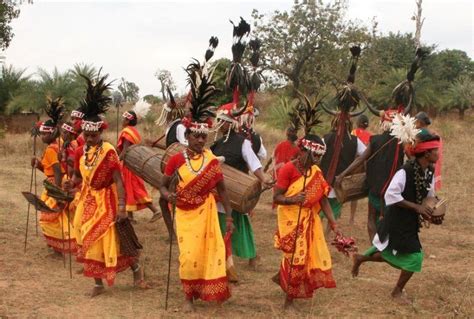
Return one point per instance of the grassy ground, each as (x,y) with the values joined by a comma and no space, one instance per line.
(34,286)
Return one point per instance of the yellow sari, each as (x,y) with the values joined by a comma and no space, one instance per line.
(202,251)
(55,225)
(312,262)
(94,221)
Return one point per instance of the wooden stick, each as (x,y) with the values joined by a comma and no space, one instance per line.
(173,184)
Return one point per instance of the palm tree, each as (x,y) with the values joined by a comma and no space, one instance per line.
(13,82)
(461,95)
(58,84)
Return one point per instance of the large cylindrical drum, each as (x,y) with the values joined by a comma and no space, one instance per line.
(243,190)
(353,187)
(145,161)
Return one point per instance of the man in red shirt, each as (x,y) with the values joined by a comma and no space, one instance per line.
(285,151)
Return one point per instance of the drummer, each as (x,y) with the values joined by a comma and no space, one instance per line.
(396,241)
(238,153)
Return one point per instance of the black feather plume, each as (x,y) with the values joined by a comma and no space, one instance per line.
(308,112)
(96,101)
(404,91)
(54,109)
(213,42)
(255,78)
(419,56)
(236,76)
(202,90)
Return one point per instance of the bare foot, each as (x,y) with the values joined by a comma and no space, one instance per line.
(80,271)
(97,290)
(189,306)
(155,217)
(289,306)
(253,263)
(54,254)
(356,262)
(401,299)
(139,279)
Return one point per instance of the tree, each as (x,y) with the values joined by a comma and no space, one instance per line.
(166,80)
(152,99)
(13,82)
(8,11)
(305,45)
(461,95)
(222,96)
(129,91)
(60,84)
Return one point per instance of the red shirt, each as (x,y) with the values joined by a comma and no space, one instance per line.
(174,163)
(287,175)
(362,134)
(285,152)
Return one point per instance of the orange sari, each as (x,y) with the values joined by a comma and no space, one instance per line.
(55,225)
(99,247)
(312,262)
(136,194)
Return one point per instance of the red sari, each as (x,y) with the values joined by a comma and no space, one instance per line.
(137,196)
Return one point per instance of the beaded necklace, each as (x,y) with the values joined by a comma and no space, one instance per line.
(422,184)
(188,163)
(89,163)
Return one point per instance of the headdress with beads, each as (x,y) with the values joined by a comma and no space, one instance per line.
(54,109)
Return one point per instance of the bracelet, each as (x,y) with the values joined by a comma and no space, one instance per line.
(333,225)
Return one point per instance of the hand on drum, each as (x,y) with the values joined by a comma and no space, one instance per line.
(437,220)
(425,212)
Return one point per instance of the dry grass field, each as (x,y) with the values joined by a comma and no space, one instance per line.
(34,286)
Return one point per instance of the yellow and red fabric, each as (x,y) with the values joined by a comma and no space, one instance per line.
(136,194)
(94,221)
(202,255)
(311,267)
(55,225)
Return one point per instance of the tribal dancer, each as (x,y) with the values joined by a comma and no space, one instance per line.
(342,147)
(384,154)
(76,117)
(197,172)
(396,241)
(102,198)
(53,225)
(171,116)
(135,192)
(300,193)
(68,148)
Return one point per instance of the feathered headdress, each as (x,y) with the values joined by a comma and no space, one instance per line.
(347,99)
(236,77)
(201,90)
(404,129)
(95,103)
(54,109)
(308,112)
(254,81)
(403,94)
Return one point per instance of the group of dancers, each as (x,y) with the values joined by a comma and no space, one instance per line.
(304,173)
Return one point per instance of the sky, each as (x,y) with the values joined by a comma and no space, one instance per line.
(132,39)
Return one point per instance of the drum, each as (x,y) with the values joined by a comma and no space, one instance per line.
(243,190)
(352,187)
(145,161)
(439,207)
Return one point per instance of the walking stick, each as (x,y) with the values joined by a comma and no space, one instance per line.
(297,227)
(173,184)
(32,177)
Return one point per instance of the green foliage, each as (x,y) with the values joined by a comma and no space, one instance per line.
(222,96)
(277,115)
(306,44)
(152,99)
(8,11)
(13,82)
(460,94)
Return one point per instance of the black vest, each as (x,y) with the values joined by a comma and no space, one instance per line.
(402,224)
(171,136)
(231,150)
(346,157)
(379,167)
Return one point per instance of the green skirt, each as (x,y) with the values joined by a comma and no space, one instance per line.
(335,206)
(243,241)
(409,262)
(377,203)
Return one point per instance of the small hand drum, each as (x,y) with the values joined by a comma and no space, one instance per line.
(439,207)
(38,203)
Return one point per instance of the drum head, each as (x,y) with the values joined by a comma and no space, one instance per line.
(439,205)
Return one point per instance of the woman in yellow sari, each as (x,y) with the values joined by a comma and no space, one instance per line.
(197,172)
(53,225)
(300,193)
(101,201)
